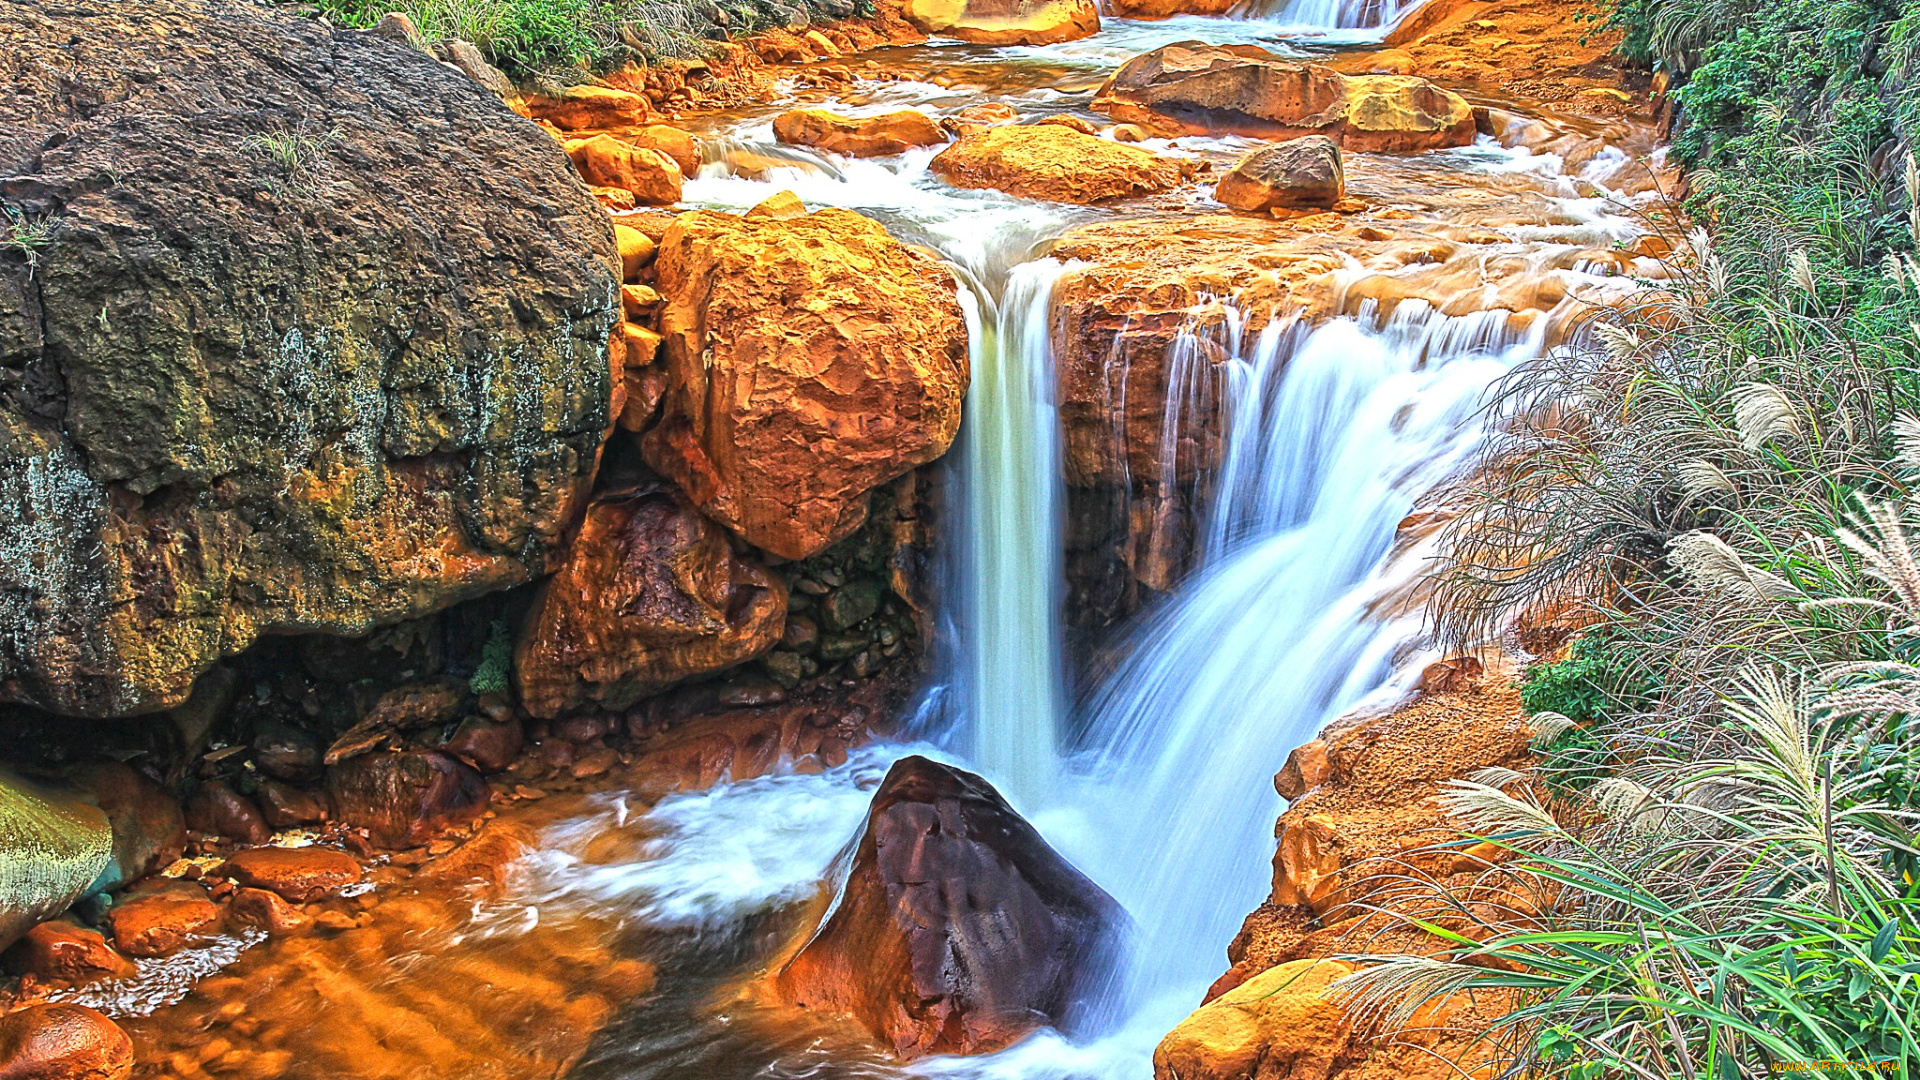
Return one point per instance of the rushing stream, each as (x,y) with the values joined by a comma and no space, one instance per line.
(1156,780)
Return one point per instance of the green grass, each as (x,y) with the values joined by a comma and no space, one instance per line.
(28,234)
(557,42)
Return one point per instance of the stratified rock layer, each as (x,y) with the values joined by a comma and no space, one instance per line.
(958,930)
(1192,88)
(651,593)
(808,360)
(309,335)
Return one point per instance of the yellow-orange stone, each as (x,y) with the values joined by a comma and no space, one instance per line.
(1278,1025)
(861,136)
(1051,161)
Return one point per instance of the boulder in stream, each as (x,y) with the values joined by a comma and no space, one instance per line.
(1298,173)
(958,930)
(1057,163)
(63,1042)
(301,330)
(1005,22)
(53,846)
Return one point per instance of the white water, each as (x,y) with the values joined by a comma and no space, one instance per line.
(1011,527)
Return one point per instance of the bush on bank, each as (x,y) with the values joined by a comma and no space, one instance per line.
(1720,877)
(559,41)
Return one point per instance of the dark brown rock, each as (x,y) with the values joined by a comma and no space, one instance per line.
(1296,174)
(485,744)
(404,708)
(651,594)
(317,341)
(218,810)
(285,806)
(406,799)
(156,923)
(299,875)
(63,1042)
(959,930)
(268,911)
(286,752)
(149,830)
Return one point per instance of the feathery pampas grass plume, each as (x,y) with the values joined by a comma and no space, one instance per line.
(1762,412)
(1712,566)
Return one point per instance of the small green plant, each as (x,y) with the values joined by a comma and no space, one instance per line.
(294,154)
(496,660)
(29,234)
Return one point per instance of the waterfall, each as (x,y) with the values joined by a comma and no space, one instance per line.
(1011,576)
(1291,619)
(1339,14)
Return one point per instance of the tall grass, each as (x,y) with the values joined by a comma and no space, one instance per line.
(1719,876)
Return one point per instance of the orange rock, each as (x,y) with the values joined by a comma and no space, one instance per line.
(652,177)
(301,875)
(1056,163)
(268,911)
(682,147)
(651,593)
(1306,769)
(1455,673)
(863,136)
(157,923)
(1191,88)
(987,114)
(808,361)
(1307,865)
(778,206)
(1166,9)
(63,1042)
(483,859)
(579,107)
(1005,22)
(636,250)
(60,951)
(1296,173)
(1391,62)
(1279,1025)
(1074,122)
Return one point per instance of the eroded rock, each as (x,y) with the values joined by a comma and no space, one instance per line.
(159,922)
(406,799)
(858,136)
(651,594)
(316,342)
(958,930)
(63,1042)
(1193,88)
(298,875)
(1054,162)
(1005,22)
(808,360)
(1279,1024)
(1303,172)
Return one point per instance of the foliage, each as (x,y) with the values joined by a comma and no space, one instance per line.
(28,234)
(496,660)
(560,41)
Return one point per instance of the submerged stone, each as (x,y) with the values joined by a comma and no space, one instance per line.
(958,931)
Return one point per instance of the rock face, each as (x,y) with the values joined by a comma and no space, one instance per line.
(1277,1026)
(1303,172)
(63,1042)
(651,593)
(862,136)
(958,930)
(1191,88)
(808,360)
(53,848)
(1005,22)
(313,339)
(1166,9)
(1055,162)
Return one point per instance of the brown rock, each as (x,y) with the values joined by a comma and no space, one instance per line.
(607,161)
(1048,161)
(404,708)
(1297,173)
(579,107)
(405,799)
(808,361)
(1307,865)
(285,806)
(60,951)
(1279,1025)
(218,810)
(300,875)
(1391,62)
(268,911)
(651,593)
(1005,22)
(1306,769)
(149,830)
(157,923)
(1164,9)
(1190,88)
(1449,675)
(863,136)
(486,745)
(63,1042)
(958,930)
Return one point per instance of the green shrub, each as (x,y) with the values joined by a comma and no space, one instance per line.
(491,675)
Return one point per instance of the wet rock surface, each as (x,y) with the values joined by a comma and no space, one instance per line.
(865,136)
(405,799)
(958,929)
(807,361)
(315,340)
(1297,173)
(63,1042)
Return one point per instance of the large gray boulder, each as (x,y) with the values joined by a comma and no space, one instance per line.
(301,330)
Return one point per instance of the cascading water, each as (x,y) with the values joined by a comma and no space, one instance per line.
(1011,530)
(1339,14)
